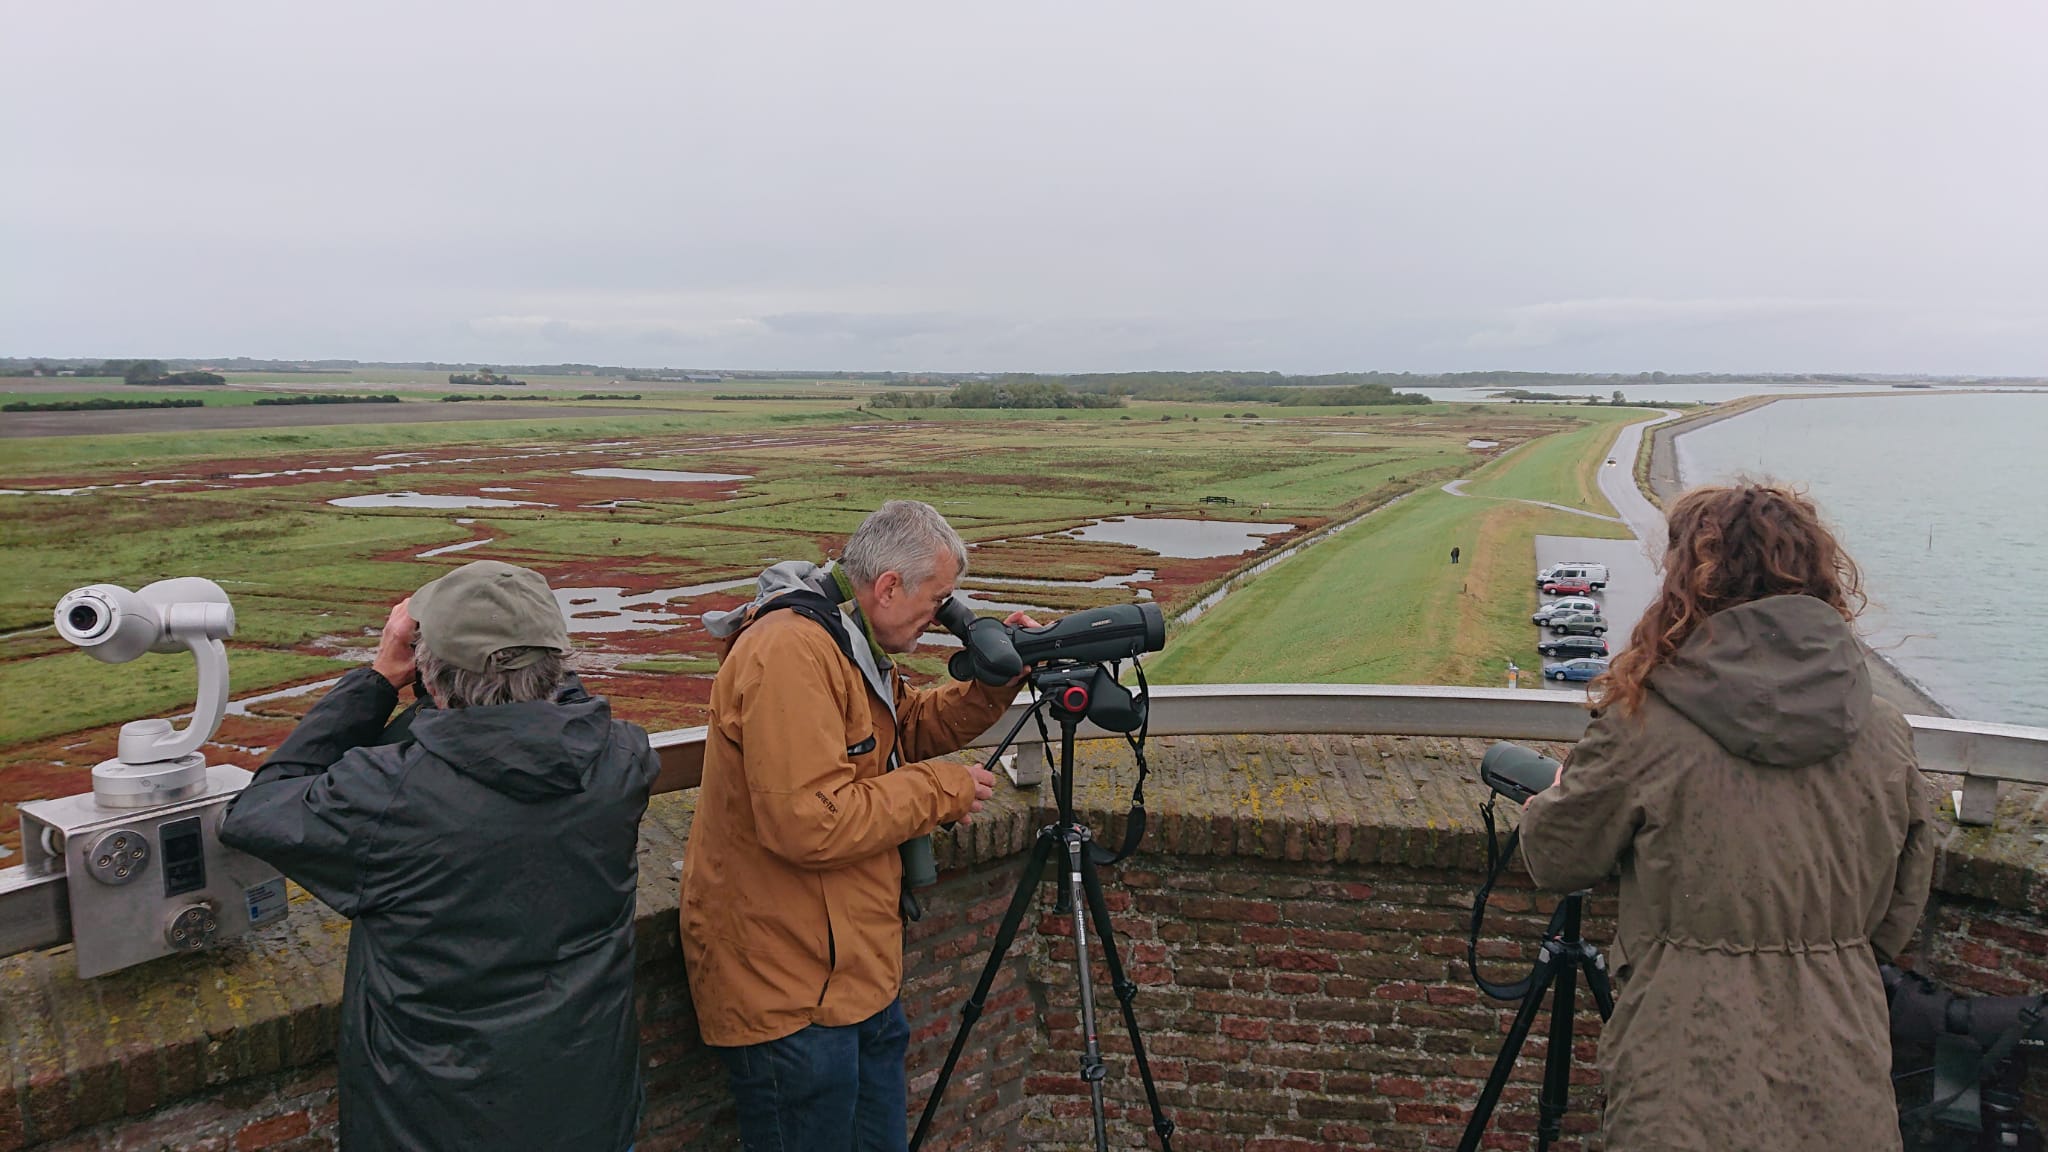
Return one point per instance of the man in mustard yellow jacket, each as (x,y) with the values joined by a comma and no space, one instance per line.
(816,769)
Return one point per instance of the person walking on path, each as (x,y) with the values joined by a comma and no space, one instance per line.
(1454,553)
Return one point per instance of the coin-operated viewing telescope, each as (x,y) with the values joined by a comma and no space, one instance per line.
(135,868)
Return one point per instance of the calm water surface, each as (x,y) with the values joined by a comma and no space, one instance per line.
(1699,391)
(1943,500)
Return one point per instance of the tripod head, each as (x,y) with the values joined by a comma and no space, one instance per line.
(1089,691)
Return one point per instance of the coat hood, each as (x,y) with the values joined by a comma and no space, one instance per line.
(804,576)
(535,750)
(1779,681)
(788,576)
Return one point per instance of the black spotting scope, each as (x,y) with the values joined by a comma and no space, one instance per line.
(1922,1011)
(1516,772)
(995,653)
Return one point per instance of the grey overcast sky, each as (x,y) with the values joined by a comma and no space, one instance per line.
(1697,186)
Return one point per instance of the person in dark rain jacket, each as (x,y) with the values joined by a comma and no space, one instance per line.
(1771,826)
(488,861)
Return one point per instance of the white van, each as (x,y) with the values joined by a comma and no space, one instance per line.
(1593,574)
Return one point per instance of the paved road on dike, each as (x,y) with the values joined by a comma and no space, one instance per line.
(1631,573)
(1618,484)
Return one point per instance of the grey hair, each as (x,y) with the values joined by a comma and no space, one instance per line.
(461,688)
(905,537)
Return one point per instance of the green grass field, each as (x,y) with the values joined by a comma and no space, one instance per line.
(1561,469)
(1379,603)
(311,580)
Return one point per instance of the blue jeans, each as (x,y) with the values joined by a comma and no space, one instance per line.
(825,1089)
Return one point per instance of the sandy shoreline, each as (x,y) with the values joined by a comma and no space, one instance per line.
(1664,484)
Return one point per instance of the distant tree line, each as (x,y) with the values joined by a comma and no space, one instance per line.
(484,376)
(97,404)
(1527,394)
(154,373)
(131,371)
(1349,389)
(465,398)
(387,398)
(786,396)
(1009,394)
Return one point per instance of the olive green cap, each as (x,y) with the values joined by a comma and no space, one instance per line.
(485,607)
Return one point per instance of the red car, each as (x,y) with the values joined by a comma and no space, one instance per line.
(1568,588)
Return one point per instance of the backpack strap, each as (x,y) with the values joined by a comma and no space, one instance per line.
(813,606)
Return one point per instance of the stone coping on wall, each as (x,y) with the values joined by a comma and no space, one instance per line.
(82,1052)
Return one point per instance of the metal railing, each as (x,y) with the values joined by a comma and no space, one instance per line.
(33,912)
(1984,755)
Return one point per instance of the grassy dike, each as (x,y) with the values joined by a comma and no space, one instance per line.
(1380,603)
(1562,469)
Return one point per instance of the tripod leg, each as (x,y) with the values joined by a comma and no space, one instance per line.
(1557,1061)
(1597,981)
(1126,992)
(1020,903)
(1091,1045)
(1540,978)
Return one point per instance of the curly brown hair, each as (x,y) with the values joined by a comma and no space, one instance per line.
(1728,546)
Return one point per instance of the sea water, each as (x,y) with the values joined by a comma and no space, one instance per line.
(1942,499)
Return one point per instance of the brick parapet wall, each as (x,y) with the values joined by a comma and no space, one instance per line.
(1295,921)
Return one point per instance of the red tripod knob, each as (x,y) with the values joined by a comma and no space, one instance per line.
(1074,698)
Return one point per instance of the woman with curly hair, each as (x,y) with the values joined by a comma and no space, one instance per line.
(1769,821)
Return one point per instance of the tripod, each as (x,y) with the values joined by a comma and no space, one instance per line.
(1563,956)
(1066,692)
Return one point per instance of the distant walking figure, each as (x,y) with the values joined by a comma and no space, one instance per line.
(1454,555)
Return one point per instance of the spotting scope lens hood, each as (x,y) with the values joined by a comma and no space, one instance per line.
(1516,772)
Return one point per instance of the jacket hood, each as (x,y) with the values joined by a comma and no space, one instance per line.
(535,750)
(1779,681)
(788,576)
(804,576)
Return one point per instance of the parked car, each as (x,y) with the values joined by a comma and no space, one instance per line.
(1565,607)
(1584,668)
(1568,588)
(1576,624)
(1592,574)
(1569,646)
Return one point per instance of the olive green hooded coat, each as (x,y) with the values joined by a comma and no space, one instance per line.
(1770,823)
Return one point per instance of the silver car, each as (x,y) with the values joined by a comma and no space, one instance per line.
(1566,606)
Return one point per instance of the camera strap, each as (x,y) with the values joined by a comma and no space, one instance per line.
(1134,820)
(1497,857)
